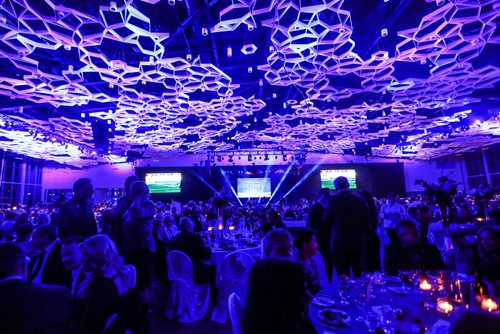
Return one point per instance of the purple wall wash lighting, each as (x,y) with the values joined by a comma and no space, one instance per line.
(316,81)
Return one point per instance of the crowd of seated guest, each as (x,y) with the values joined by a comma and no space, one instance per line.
(64,248)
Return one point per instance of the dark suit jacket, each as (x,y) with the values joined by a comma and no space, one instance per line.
(349,218)
(76,218)
(424,257)
(32,308)
(316,221)
(193,246)
(53,271)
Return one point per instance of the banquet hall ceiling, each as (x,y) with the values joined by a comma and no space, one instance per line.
(90,82)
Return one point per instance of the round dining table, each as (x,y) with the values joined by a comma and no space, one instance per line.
(389,309)
(218,256)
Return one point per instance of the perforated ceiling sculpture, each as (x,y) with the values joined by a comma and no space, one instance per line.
(89,82)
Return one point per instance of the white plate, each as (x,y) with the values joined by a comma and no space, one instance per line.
(343,318)
(399,291)
(323,301)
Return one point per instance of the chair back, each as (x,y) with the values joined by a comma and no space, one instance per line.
(235,312)
(320,266)
(180,266)
(131,275)
(236,265)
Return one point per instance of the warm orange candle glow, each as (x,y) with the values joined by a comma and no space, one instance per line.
(444,306)
(425,285)
(489,305)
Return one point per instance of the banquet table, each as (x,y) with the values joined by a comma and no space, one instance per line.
(218,256)
(403,313)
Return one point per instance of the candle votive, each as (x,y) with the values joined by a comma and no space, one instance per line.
(424,285)
(489,305)
(444,306)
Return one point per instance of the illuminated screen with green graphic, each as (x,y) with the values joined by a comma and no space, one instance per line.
(163,183)
(327,177)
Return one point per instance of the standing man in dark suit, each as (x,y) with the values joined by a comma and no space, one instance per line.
(28,308)
(116,216)
(47,266)
(316,221)
(76,216)
(349,217)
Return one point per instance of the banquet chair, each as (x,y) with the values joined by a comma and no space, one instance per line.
(320,265)
(233,279)
(235,306)
(187,301)
(131,275)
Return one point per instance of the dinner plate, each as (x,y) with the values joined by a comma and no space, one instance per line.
(323,301)
(393,279)
(399,291)
(334,317)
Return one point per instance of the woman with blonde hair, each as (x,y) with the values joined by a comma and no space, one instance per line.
(105,286)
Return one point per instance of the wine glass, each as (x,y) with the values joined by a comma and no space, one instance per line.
(343,289)
(405,276)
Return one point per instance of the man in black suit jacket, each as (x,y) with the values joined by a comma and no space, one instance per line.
(76,217)
(28,308)
(47,266)
(193,246)
(316,221)
(349,218)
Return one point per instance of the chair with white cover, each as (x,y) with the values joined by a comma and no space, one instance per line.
(320,266)
(233,279)
(235,306)
(131,275)
(187,301)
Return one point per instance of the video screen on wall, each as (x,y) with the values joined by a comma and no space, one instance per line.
(327,177)
(163,183)
(254,187)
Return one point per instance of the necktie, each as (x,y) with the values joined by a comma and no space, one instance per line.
(37,267)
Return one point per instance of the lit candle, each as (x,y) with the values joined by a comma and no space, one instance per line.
(444,306)
(489,305)
(221,226)
(210,228)
(231,228)
(425,285)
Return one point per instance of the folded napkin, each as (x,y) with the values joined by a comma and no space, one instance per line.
(440,327)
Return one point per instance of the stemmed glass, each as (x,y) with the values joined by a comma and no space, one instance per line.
(343,289)
(405,276)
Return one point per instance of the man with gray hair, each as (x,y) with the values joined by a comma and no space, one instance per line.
(277,243)
(193,246)
(349,218)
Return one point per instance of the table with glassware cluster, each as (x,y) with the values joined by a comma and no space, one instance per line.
(389,309)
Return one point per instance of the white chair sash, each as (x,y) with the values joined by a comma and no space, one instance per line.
(233,279)
(187,302)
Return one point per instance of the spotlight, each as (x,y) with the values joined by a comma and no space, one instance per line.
(112,6)
(249,157)
(212,159)
(266,157)
(219,158)
(229,51)
(171,2)
(250,70)
(285,157)
(384,32)
(204,31)
(189,57)
(230,159)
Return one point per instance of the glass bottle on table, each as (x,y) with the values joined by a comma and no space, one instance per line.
(479,290)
